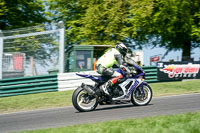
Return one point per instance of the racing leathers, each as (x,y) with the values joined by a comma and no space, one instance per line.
(104,67)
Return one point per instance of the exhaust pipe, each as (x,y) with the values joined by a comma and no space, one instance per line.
(88,89)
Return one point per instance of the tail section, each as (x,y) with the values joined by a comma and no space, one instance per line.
(95,78)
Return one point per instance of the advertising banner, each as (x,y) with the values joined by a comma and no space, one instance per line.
(168,71)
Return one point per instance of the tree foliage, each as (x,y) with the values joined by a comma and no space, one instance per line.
(71,12)
(167,23)
(174,25)
(98,21)
(21,13)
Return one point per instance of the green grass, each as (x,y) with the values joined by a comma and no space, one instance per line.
(35,101)
(175,88)
(181,123)
(60,99)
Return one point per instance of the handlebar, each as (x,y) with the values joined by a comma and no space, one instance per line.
(135,71)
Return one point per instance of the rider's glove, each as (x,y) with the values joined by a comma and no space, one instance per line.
(121,66)
(134,73)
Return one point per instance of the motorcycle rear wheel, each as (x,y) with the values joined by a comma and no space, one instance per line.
(82,101)
(140,99)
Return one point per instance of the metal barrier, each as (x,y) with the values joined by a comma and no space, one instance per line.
(151,74)
(28,85)
(55,82)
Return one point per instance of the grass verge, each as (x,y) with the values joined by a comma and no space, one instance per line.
(60,99)
(35,101)
(181,123)
(175,88)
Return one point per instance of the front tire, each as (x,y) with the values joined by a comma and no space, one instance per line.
(140,99)
(82,101)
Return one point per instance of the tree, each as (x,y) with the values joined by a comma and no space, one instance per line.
(71,12)
(104,22)
(172,24)
(21,13)
(96,21)
(166,23)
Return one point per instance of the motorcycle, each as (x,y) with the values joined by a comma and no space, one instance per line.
(131,89)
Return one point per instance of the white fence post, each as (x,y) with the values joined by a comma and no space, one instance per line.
(1,57)
(62,47)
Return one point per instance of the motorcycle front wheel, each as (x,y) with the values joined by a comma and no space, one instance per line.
(82,101)
(140,97)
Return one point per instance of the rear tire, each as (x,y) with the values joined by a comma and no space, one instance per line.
(81,101)
(140,99)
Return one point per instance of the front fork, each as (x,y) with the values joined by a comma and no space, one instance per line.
(140,90)
(142,86)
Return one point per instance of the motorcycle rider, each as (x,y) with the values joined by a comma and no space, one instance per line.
(105,62)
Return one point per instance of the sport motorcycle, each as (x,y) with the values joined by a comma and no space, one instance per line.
(131,89)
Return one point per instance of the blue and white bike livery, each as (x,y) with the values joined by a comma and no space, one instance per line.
(130,89)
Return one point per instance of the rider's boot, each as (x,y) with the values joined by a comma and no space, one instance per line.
(105,87)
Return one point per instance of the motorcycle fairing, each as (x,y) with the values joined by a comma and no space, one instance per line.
(94,77)
(128,92)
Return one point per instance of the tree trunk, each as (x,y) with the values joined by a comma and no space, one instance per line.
(186,51)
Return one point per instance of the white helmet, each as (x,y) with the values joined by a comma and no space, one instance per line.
(123,49)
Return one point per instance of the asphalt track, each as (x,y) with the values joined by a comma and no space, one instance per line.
(65,116)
